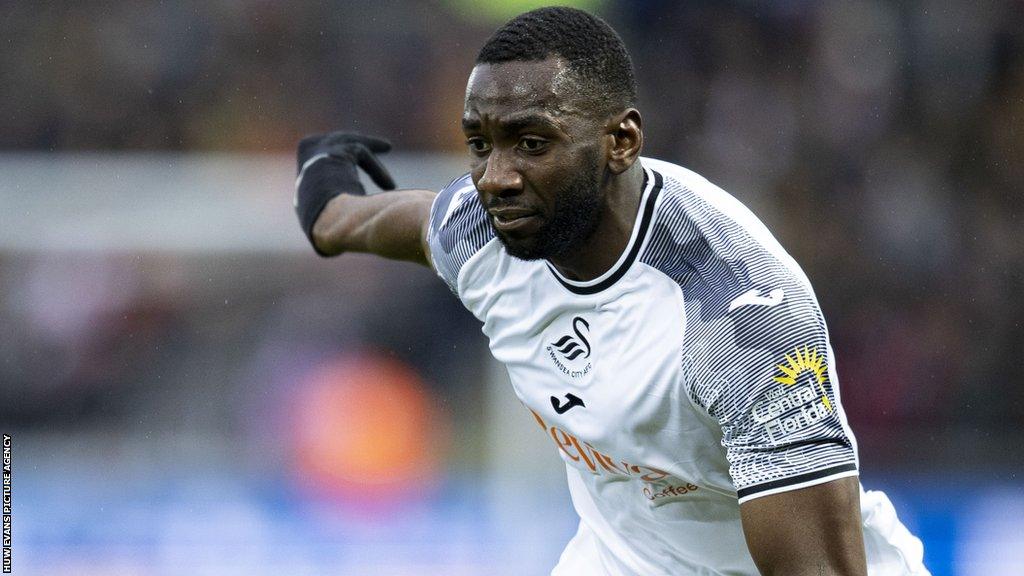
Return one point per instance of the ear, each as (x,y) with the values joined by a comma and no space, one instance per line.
(625,135)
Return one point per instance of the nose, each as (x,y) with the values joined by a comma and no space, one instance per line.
(500,177)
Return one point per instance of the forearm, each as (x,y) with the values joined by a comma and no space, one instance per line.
(389,225)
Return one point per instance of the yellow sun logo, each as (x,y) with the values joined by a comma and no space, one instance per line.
(807,360)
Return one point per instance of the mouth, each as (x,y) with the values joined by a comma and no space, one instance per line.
(513,219)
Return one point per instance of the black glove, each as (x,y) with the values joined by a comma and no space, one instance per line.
(327,168)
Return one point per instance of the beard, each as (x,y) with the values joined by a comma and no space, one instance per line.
(574,219)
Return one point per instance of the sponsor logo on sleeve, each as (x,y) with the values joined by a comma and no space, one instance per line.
(801,401)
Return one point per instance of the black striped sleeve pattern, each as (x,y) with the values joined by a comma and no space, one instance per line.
(756,353)
(458,229)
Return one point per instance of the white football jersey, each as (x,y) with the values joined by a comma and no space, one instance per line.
(692,376)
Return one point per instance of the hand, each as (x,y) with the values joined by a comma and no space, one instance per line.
(327,166)
(351,148)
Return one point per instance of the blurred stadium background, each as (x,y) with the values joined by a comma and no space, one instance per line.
(191,391)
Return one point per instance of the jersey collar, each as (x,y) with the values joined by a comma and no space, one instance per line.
(652,186)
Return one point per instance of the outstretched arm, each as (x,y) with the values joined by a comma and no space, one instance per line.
(392,225)
(337,215)
(814,531)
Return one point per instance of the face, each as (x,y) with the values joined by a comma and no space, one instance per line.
(536,157)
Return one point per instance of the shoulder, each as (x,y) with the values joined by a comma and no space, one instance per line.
(458,228)
(756,355)
(713,246)
(747,302)
(449,198)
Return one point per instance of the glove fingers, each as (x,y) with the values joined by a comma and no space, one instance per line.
(375,145)
(372,166)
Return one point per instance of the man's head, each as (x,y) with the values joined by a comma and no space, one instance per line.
(597,63)
(550,121)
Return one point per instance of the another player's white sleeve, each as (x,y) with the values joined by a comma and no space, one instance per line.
(772,386)
(458,229)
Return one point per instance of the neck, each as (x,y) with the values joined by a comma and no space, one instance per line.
(618,216)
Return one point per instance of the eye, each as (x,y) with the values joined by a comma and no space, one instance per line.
(532,144)
(478,145)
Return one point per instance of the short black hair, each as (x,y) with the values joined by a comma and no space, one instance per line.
(591,48)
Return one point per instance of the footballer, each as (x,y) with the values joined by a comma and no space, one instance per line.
(661,338)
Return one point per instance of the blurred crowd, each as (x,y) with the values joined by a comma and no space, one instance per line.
(883,143)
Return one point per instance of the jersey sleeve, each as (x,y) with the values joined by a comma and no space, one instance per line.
(769,380)
(458,229)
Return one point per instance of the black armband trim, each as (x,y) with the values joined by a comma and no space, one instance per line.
(794,480)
